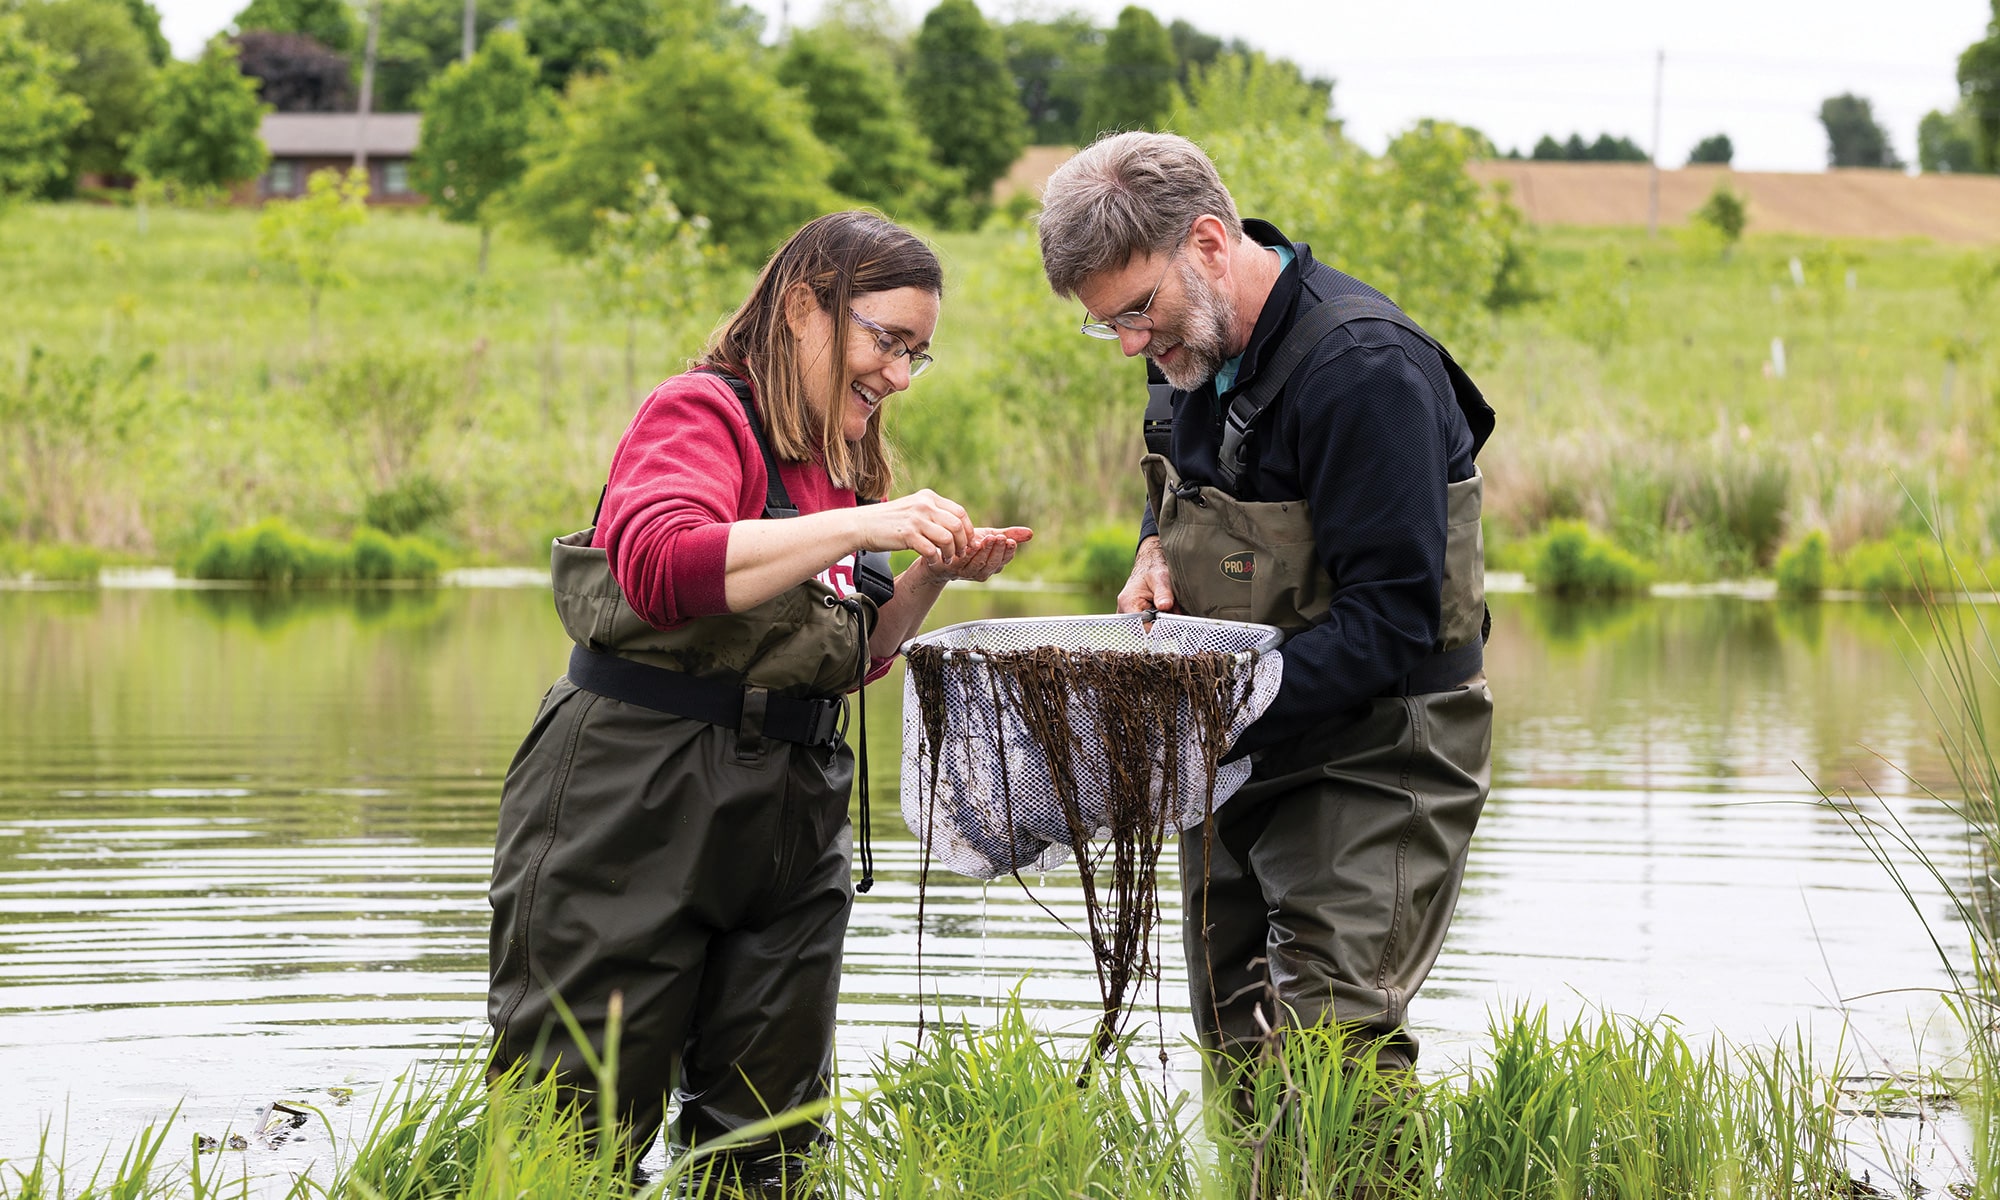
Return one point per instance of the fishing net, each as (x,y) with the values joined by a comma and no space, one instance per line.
(1027,741)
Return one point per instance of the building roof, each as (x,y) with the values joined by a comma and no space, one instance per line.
(329,135)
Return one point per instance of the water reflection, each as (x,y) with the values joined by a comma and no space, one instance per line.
(244,840)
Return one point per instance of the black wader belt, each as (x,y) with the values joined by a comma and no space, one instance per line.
(806,721)
(1443,671)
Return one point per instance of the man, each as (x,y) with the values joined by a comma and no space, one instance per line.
(1310,466)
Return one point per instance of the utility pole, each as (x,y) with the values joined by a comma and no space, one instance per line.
(367,86)
(471,28)
(1653,186)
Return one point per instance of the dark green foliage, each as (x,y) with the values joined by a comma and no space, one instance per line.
(1195,49)
(1906,564)
(1053,63)
(332,23)
(415,502)
(39,115)
(732,143)
(1853,138)
(274,554)
(295,72)
(1134,87)
(478,118)
(1102,558)
(203,129)
(111,71)
(1714,149)
(1725,211)
(1572,561)
(1605,149)
(880,156)
(420,38)
(578,36)
(1801,568)
(1979,83)
(963,96)
(146,19)
(1948,142)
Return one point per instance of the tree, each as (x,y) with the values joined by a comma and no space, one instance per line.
(963,97)
(36,120)
(202,134)
(1725,212)
(1548,149)
(1135,86)
(478,119)
(1610,149)
(1853,138)
(733,145)
(569,36)
(303,237)
(1948,142)
(146,19)
(1715,149)
(295,72)
(111,71)
(1249,92)
(1979,83)
(1053,63)
(647,260)
(420,38)
(880,156)
(331,23)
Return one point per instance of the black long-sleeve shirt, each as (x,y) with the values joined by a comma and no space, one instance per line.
(1368,432)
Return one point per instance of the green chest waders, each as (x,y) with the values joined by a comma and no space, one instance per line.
(1331,876)
(673,833)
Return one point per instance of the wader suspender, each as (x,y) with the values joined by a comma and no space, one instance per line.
(1305,336)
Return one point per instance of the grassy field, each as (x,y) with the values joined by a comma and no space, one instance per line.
(163,384)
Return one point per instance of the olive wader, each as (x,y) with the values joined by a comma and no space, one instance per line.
(1325,890)
(673,833)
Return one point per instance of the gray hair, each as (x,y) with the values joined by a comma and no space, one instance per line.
(1123,196)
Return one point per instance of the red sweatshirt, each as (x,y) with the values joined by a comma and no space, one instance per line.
(683,474)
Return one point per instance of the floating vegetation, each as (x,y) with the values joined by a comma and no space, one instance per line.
(1024,755)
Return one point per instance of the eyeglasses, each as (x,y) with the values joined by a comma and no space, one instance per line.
(1136,320)
(892,347)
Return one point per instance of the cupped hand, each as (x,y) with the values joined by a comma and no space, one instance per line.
(923,521)
(1150,586)
(986,556)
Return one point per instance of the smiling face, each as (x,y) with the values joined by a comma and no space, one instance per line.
(1192,319)
(909,314)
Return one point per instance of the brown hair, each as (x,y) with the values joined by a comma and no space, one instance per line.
(838,257)
(1123,196)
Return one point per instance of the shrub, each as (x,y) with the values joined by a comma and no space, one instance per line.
(1903,565)
(1801,567)
(408,506)
(1574,561)
(56,564)
(1102,557)
(274,554)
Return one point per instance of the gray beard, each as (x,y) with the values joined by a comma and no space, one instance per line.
(1205,333)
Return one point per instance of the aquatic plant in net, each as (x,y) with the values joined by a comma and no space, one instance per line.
(1028,741)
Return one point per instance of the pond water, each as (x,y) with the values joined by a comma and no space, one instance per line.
(244,843)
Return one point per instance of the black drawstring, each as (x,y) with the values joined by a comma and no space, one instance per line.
(861,752)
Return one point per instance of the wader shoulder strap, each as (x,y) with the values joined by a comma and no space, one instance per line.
(1305,335)
(1159,424)
(777,501)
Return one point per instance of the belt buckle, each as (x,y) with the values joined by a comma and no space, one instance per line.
(825,722)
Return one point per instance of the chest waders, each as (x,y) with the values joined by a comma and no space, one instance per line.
(1330,878)
(673,832)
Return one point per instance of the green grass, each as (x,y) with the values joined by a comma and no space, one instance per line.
(1573,561)
(1664,430)
(274,554)
(1605,1108)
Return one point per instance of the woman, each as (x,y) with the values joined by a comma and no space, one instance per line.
(673,832)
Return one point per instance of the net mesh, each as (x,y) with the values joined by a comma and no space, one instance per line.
(1024,738)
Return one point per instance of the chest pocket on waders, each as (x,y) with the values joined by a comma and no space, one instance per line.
(1237,560)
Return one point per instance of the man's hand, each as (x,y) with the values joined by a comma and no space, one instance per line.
(1149,585)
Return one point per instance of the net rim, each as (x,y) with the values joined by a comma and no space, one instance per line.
(1272,637)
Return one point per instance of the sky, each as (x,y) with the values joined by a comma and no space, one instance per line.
(1516,69)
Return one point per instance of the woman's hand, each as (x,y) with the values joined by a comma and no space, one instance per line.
(986,556)
(923,521)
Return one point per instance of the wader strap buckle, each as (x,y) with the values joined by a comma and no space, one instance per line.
(1443,671)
